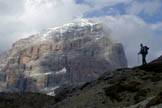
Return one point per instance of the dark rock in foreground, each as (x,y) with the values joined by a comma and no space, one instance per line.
(124,88)
(27,100)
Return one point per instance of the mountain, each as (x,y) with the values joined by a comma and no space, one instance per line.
(67,55)
(138,87)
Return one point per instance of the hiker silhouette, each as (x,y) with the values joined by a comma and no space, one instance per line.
(143,52)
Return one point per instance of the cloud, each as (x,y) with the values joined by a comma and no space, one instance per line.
(14,7)
(98,4)
(41,14)
(149,7)
(131,30)
(20,18)
(11,31)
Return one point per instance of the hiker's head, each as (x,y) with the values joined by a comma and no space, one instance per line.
(141,45)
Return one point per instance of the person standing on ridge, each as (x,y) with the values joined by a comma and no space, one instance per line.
(143,52)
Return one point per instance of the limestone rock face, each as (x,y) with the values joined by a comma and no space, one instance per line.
(70,54)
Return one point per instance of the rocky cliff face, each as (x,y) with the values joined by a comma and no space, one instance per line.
(70,54)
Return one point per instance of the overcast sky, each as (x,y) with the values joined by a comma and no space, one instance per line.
(131,21)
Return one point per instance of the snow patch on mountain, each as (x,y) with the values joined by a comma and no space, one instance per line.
(77,26)
(62,71)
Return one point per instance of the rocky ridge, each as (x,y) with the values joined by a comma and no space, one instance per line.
(158,60)
(138,87)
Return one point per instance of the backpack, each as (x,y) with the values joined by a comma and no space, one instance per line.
(144,50)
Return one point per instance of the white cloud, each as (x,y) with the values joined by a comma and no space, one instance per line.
(8,7)
(41,14)
(20,17)
(131,31)
(102,3)
(148,7)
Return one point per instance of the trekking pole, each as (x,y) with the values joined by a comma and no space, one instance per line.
(138,59)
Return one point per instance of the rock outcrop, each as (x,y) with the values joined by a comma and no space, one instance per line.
(123,88)
(159,60)
(69,54)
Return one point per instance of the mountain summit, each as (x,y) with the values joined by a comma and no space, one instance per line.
(70,54)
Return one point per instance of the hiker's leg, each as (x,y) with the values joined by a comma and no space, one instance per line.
(144,58)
